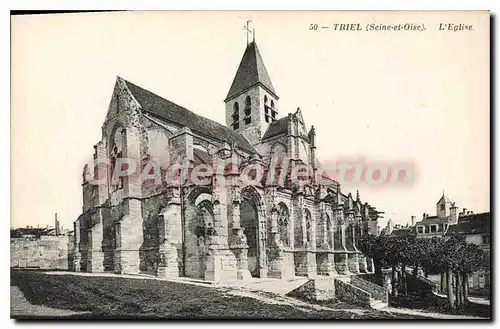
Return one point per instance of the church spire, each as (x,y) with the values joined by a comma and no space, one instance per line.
(251,72)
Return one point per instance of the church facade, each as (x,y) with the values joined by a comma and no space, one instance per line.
(225,229)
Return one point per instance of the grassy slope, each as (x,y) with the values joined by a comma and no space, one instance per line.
(113,297)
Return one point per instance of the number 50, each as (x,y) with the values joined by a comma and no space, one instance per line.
(313,27)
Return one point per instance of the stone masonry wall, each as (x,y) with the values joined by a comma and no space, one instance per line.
(351,294)
(45,252)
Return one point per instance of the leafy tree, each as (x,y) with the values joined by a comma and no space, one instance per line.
(375,248)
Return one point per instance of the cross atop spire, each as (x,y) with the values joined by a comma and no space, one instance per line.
(247,29)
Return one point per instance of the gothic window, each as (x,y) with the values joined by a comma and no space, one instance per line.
(308,227)
(116,152)
(236,116)
(204,220)
(248,110)
(273,111)
(442,206)
(266,109)
(283,224)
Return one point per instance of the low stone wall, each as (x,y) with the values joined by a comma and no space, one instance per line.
(315,289)
(45,252)
(375,290)
(351,294)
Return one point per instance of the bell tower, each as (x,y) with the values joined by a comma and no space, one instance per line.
(251,103)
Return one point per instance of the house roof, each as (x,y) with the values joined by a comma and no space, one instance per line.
(251,72)
(166,110)
(471,224)
(433,220)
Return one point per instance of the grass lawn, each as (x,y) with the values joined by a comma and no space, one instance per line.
(115,297)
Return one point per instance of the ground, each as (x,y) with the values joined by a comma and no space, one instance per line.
(37,295)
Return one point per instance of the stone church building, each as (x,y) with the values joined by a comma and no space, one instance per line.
(226,229)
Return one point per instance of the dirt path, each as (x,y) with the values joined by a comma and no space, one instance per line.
(20,307)
(407,311)
(307,307)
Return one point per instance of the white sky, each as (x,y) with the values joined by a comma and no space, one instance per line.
(389,96)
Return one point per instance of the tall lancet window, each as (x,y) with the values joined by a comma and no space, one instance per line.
(267,109)
(273,111)
(248,110)
(116,153)
(236,116)
(283,224)
(309,227)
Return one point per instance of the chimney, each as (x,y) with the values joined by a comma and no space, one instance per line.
(412,220)
(57,230)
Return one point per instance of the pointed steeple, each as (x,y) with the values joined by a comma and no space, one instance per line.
(251,72)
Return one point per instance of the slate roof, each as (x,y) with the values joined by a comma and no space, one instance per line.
(471,224)
(20,232)
(251,72)
(166,110)
(202,156)
(433,220)
(277,127)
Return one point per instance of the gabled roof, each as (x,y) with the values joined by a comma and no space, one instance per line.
(251,72)
(166,110)
(471,224)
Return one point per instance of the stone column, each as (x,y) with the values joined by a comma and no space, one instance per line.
(129,237)
(342,263)
(353,262)
(238,244)
(263,269)
(239,247)
(353,258)
(221,262)
(170,236)
(363,266)
(95,256)
(275,254)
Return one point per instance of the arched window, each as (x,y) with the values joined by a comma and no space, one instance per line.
(309,228)
(266,108)
(273,111)
(298,233)
(236,116)
(283,224)
(115,153)
(248,110)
